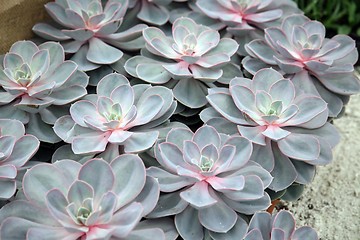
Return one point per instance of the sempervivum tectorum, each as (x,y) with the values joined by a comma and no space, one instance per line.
(280,226)
(193,55)
(119,114)
(246,19)
(316,64)
(92,29)
(97,200)
(207,179)
(289,130)
(16,149)
(36,84)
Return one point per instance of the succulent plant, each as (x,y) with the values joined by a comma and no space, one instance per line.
(154,12)
(246,19)
(289,130)
(207,179)
(280,226)
(317,65)
(119,114)
(193,56)
(16,149)
(66,200)
(36,84)
(92,29)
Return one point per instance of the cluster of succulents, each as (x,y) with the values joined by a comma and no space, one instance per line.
(135,124)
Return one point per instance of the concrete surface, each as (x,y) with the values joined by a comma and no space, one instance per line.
(331,204)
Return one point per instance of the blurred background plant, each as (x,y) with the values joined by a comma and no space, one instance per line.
(342,17)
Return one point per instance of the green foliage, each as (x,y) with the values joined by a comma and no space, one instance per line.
(341,16)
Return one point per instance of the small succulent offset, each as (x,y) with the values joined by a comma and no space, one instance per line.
(317,65)
(194,55)
(92,29)
(281,226)
(119,114)
(207,179)
(16,149)
(246,19)
(289,130)
(154,12)
(66,200)
(36,84)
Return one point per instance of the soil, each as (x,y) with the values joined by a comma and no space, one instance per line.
(331,204)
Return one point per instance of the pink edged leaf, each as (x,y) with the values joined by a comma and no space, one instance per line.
(233,183)
(254,234)
(119,136)
(110,82)
(253,188)
(238,231)
(25,49)
(140,141)
(102,53)
(149,195)
(198,195)
(218,218)
(171,156)
(205,74)
(286,222)
(104,180)
(49,32)
(261,50)
(80,34)
(242,153)
(254,134)
(90,142)
(125,220)
(52,233)
(225,159)
(190,93)
(147,109)
(284,172)
(8,188)
(152,72)
(79,191)
(277,233)
(284,91)
(106,207)
(206,41)
(148,234)
(305,233)
(192,153)
(275,132)
(213,60)
(300,146)
(223,103)
(124,95)
(188,225)
(7,172)
(179,69)
(207,135)
(23,150)
(265,16)
(152,13)
(168,181)
(81,109)
(56,203)
(129,172)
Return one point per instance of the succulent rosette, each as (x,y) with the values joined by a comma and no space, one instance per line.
(92,29)
(207,179)
(155,12)
(66,200)
(246,19)
(16,149)
(119,114)
(280,226)
(316,64)
(289,130)
(37,84)
(194,56)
